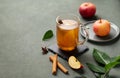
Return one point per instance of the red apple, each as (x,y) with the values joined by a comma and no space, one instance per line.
(87,9)
(101,27)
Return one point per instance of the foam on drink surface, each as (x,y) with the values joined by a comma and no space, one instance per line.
(68,24)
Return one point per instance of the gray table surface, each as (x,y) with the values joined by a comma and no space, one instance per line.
(22,25)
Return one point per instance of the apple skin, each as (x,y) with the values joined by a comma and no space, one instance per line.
(101,27)
(87,9)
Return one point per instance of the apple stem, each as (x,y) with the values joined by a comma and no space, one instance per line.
(100,20)
(86,4)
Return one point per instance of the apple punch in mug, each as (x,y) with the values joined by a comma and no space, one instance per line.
(67,32)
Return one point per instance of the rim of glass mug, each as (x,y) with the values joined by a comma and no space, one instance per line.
(68,16)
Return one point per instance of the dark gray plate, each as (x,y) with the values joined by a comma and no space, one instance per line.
(92,37)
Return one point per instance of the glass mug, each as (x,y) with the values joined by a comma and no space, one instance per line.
(67,32)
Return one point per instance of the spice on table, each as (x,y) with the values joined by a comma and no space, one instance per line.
(54,66)
(44,50)
(63,69)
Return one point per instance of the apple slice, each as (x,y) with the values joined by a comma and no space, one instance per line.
(74,63)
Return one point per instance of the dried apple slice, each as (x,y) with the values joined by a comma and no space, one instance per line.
(74,63)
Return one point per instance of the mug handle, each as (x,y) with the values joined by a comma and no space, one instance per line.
(86,34)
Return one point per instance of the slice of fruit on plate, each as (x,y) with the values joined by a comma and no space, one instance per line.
(74,63)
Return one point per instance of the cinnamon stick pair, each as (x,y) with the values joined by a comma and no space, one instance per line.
(57,63)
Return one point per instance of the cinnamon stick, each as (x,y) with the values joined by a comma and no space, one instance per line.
(54,66)
(63,69)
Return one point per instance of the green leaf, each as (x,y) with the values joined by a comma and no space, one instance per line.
(101,57)
(117,58)
(94,68)
(48,34)
(111,65)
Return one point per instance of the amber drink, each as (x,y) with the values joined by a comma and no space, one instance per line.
(67,34)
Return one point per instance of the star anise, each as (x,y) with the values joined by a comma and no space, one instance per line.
(60,21)
(44,50)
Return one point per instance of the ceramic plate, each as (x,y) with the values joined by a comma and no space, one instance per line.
(92,37)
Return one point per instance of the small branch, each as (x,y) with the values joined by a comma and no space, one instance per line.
(100,20)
